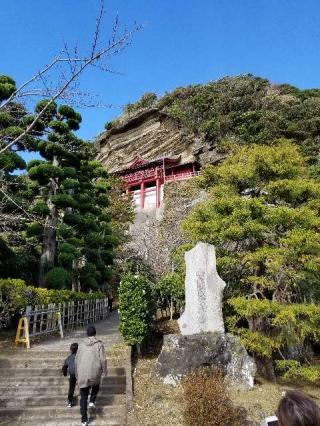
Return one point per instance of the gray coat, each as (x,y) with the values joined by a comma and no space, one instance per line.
(90,362)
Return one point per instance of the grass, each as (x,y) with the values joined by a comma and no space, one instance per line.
(118,350)
(155,403)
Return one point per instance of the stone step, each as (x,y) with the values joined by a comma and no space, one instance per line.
(58,344)
(47,381)
(33,390)
(61,415)
(42,372)
(116,421)
(43,401)
(53,390)
(46,362)
(52,352)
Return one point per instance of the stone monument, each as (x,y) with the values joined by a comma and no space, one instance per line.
(203,289)
(203,341)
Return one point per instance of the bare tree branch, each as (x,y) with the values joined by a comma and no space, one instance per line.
(35,77)
(17,205)
(97,30)
(77,66)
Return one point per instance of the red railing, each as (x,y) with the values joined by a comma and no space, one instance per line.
(141,175)
(154,173)
(181,176)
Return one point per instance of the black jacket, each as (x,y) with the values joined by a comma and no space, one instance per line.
(69,366)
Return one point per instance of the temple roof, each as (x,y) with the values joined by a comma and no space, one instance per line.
(141,163)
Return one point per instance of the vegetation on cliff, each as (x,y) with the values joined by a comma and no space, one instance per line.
(243,109)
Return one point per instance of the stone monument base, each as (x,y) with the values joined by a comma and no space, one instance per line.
(179,354)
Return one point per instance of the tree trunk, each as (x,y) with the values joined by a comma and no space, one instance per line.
(75,276)
(171,308)
(49,234)
(138,346)
(48,246)
(264,365)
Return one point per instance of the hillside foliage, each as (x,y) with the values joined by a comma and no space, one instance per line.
(242,110)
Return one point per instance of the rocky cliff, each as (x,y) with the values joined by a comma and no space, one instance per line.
(203,122)
(150,133)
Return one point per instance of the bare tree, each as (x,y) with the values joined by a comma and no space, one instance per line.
(68,66)
(154,240)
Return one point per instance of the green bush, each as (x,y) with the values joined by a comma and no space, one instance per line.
(15,295)
(58,278)
(137,307)
(146,101)
(290,369)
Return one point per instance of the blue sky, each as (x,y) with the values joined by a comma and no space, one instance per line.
(183,42)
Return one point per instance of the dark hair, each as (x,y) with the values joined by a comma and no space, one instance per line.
(91,331)
(298,409)
(73,348)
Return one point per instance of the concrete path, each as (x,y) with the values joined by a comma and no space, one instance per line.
(33,390)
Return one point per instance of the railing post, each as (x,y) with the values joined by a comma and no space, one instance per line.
(58,318)
(41,318)
(45,319)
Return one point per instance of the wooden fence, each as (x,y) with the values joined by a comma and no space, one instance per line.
(39,321)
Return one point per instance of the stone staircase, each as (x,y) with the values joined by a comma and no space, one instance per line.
(33,390)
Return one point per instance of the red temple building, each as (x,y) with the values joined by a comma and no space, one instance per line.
(145,179)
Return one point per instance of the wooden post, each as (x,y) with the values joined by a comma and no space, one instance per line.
(86,311)
(41,318)
(34,325)
(77,320)
(72,314)
(58,319)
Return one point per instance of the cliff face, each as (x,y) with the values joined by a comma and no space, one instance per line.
(200,122)
(150,134)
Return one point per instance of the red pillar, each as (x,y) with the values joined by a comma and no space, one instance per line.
(158,193)
(142,195)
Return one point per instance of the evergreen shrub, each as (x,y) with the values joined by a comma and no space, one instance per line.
(58,278)
(15,295)
(137,307)
(290,369)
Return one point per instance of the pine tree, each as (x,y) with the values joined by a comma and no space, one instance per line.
(17,258)
(76,237)
(262,214)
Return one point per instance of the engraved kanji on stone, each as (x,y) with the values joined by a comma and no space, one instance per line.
(204,289)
